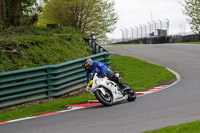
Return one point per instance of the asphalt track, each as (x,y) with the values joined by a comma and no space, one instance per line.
(175,105)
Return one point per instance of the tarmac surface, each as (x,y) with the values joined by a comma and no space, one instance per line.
(175,105)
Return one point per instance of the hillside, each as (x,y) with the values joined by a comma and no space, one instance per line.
(26,47)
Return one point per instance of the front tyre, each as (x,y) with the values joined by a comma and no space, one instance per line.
(106,99)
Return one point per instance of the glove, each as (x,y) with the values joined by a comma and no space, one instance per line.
(103,75)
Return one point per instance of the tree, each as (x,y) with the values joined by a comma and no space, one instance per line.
(192,10)
(30,11)
(13,10)
(84,15)
(3,12)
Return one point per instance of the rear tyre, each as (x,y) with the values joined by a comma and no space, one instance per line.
(131,95)
(106,99)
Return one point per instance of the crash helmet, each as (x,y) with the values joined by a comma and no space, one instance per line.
(87,64)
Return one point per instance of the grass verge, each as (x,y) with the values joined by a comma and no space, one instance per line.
(192,127)
(192,43)
(137,73)
(120,44)
(147,44)
(45,107)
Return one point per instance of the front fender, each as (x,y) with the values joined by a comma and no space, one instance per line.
(101,89)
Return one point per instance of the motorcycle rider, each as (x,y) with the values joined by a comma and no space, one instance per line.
(101,70)
(93,36)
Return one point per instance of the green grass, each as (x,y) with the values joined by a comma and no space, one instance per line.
(45,107)
(192,127)
(140,74)
(192,43)
(37,46)
(137,73)
(144,44)
(120,44)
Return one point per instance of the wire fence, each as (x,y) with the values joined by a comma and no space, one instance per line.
(160,28)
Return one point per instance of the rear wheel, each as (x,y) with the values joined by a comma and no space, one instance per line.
(106,99)
(131,95)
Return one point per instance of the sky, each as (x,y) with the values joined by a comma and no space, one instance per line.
(133,13)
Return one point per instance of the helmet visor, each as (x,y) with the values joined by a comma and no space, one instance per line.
(86,66)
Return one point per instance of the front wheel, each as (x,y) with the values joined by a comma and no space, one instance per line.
(106,99)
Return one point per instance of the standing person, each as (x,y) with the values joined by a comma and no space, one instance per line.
(101,70)
(93,37)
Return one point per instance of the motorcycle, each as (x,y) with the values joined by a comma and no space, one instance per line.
(108,92)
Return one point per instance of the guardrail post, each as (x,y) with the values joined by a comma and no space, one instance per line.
(107,58)
(49,81)
(90,43)
(96,48)
(101,49)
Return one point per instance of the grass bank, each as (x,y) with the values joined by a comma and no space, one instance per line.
(137,73)
(192,127)
(26,47)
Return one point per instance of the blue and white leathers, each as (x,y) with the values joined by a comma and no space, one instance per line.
(99,68)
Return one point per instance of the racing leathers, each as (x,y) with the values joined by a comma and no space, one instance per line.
(103,71)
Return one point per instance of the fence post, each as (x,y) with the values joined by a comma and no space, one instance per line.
(101,50)
(90,43)
(49,76)
(96,52)
(107,58)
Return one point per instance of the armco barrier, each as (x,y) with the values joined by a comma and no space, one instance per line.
(25,85)
(96,48)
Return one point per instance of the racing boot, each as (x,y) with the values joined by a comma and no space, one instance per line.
(121,87)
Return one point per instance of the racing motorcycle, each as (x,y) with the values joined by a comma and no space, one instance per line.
(108,92)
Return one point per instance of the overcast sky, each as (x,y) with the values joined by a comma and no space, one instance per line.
(132,13)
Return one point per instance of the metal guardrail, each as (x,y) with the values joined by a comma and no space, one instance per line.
(96,47)
(26,85)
